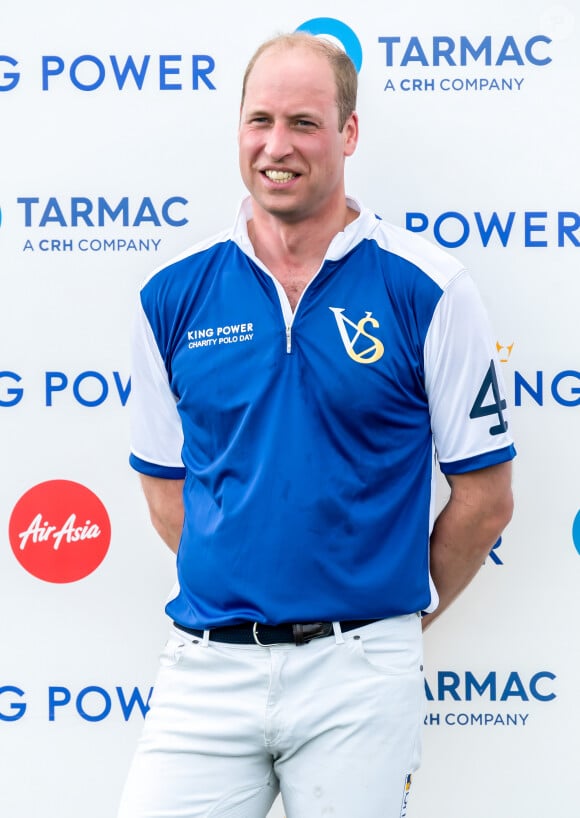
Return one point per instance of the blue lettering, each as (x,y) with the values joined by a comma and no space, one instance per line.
(106,703)
(166,215)
(146,213)
(14,395)
(55,245)
(540,38)
(124,71)
(84,376)
(165,69)
(575,390)
(51,67)
(542,697)
(449,686)
(444,217)
(11,77)
(52,213)
(83,211)
(488,682)
(389,42)
(121,74)
(494,224)
(536,394)
(106,209)
(448,682)
(58,382)
(530,227)
(566,230)
(509,51)
(493,556)
(124,391)
(18,708)
(136,699)
(443,47)
(202,65)
(54,382)
(414,53)
(417,222)
(80,208)
(57,697)
(87,58)
(476,51)
(93,703)
(514,687)
(27,201)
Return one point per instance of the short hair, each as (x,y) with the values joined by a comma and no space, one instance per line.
(345,75)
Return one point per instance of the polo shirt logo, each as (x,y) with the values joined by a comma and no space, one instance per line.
(356,340)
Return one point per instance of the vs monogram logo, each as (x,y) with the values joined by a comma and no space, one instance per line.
(363,352)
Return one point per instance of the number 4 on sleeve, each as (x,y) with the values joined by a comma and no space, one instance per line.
(481,409)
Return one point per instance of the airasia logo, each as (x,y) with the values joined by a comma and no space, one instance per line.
(59,531)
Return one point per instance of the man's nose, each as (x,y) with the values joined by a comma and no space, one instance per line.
(279,142)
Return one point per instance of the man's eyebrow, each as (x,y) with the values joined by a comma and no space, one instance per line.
(249,112)
(258,109)
(298,114)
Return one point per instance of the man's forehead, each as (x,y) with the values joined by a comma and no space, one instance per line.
(291,61)
(296,72)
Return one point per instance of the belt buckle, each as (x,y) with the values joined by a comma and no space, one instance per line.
(255,635)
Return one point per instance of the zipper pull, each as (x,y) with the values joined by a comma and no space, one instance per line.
(288,339)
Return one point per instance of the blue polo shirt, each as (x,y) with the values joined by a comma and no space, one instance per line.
(308,440)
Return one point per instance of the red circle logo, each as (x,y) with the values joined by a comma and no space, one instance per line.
(59,531)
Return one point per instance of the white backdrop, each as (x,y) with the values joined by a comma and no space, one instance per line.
(469,119)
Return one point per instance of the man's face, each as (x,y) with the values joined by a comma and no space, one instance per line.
(291,151)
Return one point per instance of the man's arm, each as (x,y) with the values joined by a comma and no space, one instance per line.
(165,500)
(479,508)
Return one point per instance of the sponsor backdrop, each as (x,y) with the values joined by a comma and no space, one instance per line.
(118,135)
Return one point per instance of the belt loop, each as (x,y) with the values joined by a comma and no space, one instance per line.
(205,640)
(338,633)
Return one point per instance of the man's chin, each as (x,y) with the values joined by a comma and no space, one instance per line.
(285,211)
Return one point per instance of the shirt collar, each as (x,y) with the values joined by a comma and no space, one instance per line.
(361,228)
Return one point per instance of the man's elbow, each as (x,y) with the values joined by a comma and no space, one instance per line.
(505,509)
(500,514)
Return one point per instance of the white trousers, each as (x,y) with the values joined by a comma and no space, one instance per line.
(334,725)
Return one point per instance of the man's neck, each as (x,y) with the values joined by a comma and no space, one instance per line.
(294,251)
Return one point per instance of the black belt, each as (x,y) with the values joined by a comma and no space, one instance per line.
(254,633)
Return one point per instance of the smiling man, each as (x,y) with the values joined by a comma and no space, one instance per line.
(291,467)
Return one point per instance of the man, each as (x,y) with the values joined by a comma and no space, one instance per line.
(294,379)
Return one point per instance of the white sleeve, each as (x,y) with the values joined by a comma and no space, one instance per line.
(469,418)
(156,431)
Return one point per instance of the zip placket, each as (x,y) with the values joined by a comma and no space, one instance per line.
(287,313)
(246,246)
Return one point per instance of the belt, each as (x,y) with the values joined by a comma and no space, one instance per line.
(254,633)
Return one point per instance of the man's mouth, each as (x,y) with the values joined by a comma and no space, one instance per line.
(280,175)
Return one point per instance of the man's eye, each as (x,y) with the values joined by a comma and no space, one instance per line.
(305,123)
